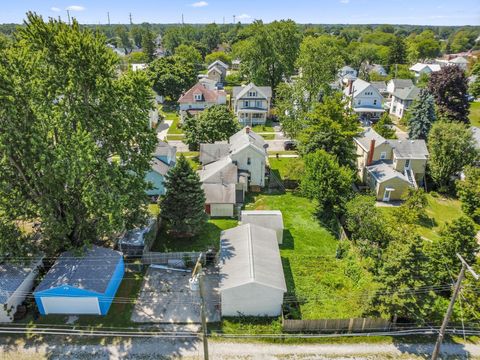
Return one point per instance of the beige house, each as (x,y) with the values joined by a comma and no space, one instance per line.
(251,103)
(390,167)
(217,71)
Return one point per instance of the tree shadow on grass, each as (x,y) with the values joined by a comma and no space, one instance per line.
(291,305)
(427,222)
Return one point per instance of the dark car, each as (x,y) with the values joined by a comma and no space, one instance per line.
(290,145)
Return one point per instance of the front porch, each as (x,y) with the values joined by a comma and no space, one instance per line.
(252,117)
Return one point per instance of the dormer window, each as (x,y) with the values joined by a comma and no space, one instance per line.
(197,97)
(252,93)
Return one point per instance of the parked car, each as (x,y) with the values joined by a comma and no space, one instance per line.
(290,145)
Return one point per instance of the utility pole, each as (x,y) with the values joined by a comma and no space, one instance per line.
(233,19)
(108,17)
(130,16)
(182,20)
(201,284)
(68,14)
(456,291)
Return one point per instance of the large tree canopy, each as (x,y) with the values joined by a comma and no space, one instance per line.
(64,115)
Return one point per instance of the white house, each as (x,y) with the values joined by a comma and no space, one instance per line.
(398,84)
(459,61)
(364,99)
(420,68)
(217,71)
(270,219)
(347,73)
(252,282)
(251,103)
(402,99)
(199,98)
(16,282)
(246,149)
(137,67)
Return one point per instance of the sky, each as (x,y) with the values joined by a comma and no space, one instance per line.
(417,12)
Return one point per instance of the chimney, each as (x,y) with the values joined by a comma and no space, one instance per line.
(247,130)
(370,153)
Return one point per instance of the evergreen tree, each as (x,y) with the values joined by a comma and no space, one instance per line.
(183,206)
(449,89)
(468,192)
(397,53)
(148,44)
(384,127)
(422,116)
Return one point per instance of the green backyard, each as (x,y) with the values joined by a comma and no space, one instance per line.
(475,114)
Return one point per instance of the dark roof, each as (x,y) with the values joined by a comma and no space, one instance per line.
(164,149)
(12,276)
(409,149)
(379,85)
(409,93)
(213,152)
(207,94)
(402,83)
(91,271)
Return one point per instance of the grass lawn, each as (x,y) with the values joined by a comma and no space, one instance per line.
(175,137)
(209,237)
(287,168)
(475,114)
(328,287)
(170,113)
(264,128)
(153,210)
(268,136)
(118,315)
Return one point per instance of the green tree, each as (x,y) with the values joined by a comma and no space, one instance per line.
(218,55)
(57,137)
(188,56)
(291,108)
(331,128)
(328,183)
(451,147)
(449,89)
(397,53)
(422,116)
(14,245)
(124,38)
(148,44)
(171,77)
(319,61)
(458,237)
(136,32)
(384,127)
(423,46)
(474,88)
(216,123)
(462,40)
(468,192)
(183,206)
(268,52)
(211,37)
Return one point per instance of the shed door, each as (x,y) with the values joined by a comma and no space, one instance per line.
(70,305)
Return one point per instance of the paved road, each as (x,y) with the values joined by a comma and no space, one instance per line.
(192,349)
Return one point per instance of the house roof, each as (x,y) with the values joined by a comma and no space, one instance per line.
(420,66)
(213,152)
(379,85)
(358,87)
(476,135)
(459,60)
(208,95)
(346,68)
(377,68)
(218,63)
(409,149)
(271,219)
(208,83)
(244,138)
(250,254)
(401,83)
(221,171)
(408,93)
(91,272)
(219,193)
(13,275)
(216,68)
(263,91)
(367,136)
(160,167)
(164,149)
(136,236)
(384,171)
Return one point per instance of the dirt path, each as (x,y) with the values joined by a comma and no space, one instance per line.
(192,349)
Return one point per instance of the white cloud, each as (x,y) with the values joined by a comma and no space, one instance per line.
(75,8)
(243,17)
(55,9)
(200,4)
(344,1)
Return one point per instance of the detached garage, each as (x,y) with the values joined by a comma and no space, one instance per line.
(83,284)
(251,274)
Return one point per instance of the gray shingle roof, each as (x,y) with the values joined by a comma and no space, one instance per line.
(379,85)
(213,152)
(160,167)
(408,93)
(92,271)
(239,91)
(12,276)
(243,138)
(383,171)
(219,193)
(219,171)
(164,149)
(409,149)
(250,254)
(369,135)
(402,83)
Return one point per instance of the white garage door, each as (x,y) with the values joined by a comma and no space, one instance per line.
(70,305)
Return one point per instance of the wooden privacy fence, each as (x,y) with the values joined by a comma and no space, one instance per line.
(160,258)
(337,325)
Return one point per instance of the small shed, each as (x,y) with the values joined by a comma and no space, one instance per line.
(84,284)
(219,199)
(16,282)
(133,242)
(271,219)
(251,274)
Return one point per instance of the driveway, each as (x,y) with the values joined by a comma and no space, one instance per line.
(166,297)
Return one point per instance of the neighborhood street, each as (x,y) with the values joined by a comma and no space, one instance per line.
(154,348)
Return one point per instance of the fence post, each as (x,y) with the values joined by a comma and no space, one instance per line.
(350,325)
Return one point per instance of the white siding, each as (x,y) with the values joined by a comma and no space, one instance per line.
(252,300)
(221,210)
(256,166)
(70,305)
(17,298)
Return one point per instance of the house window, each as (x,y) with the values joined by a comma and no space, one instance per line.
(359,102)
(383,155)
(198,97)
(249,161)
(246,104)
(375,102)
(258,103)
(407,164)
(252,93)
